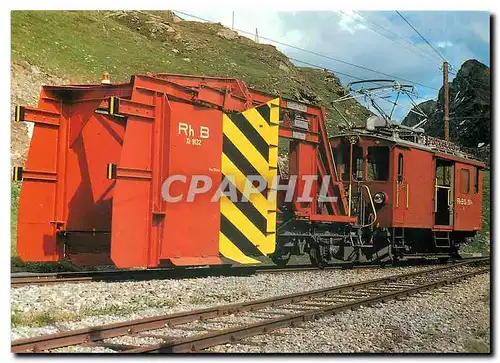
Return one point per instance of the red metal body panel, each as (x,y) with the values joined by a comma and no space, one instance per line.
(467,205)
(384,215)
(300,152)
(38,219)
(414,203)
(181,235)
(69,205)
(410,202)
(460,160)
(88,191)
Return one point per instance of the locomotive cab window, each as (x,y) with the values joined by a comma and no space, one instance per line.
(443,174)
(378,163)
(400,168)
(476,180)
(464,181)
(342,158)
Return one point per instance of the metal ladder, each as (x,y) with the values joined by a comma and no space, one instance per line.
(398,241)
(441,240)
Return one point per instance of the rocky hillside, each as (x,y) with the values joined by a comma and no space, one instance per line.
(470,109)
(50,47)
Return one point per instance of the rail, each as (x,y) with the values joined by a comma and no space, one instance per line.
(26,279)
(155,274)
(278,312)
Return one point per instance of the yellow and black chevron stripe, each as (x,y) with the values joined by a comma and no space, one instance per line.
(19,114)
(114,105)
(17,173)
(250,147)
(111,171)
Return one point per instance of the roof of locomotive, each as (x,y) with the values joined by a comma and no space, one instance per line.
(457,156)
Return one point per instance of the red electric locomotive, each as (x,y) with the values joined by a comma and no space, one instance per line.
(129,174)
(413,197)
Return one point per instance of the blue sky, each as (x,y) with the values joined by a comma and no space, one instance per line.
(379,40)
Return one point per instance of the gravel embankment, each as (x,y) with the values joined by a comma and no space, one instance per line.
(455,318)
(53,308)
(71,306)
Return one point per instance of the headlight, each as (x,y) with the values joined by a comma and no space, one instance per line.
(379,198)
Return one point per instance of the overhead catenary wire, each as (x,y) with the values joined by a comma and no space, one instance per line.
(421,53)
(314,65)
(314,53)
(380,97)
(320,67)
(354,96)
(344,62)
(337,72)
(421,36)
(395,35)
(407,108)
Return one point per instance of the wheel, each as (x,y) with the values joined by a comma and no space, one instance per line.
(316,258)
(280,260)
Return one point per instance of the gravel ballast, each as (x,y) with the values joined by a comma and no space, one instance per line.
(452,319)
(73,306)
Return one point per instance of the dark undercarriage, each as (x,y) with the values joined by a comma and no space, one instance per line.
(327,242)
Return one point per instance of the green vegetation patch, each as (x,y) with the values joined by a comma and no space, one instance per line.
(480,343)
(51,316)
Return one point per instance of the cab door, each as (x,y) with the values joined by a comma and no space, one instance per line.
(400,194)
(468,206)
(444,193)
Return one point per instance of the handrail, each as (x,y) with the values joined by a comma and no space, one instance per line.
(351,143)
(435,195)
(373,206)
(407,195)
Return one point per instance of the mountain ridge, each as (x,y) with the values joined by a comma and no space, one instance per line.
(469,109)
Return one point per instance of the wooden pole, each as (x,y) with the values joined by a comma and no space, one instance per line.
(446,102)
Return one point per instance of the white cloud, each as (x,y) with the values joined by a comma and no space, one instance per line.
(338,35)
(350,22)
(444,44)
(269,23)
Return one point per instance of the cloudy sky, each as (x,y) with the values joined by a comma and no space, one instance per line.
(381,41)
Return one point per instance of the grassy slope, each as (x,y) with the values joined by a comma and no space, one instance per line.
(81,45)
(15,188)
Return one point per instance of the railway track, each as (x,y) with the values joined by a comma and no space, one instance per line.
(25,279)
(197,330)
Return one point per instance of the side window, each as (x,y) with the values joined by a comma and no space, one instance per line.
(359,169)
(443,174)
(476,180)
(400,168)
(342,159)
(378,163)
(343,153)
(464,181)
(357,162)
